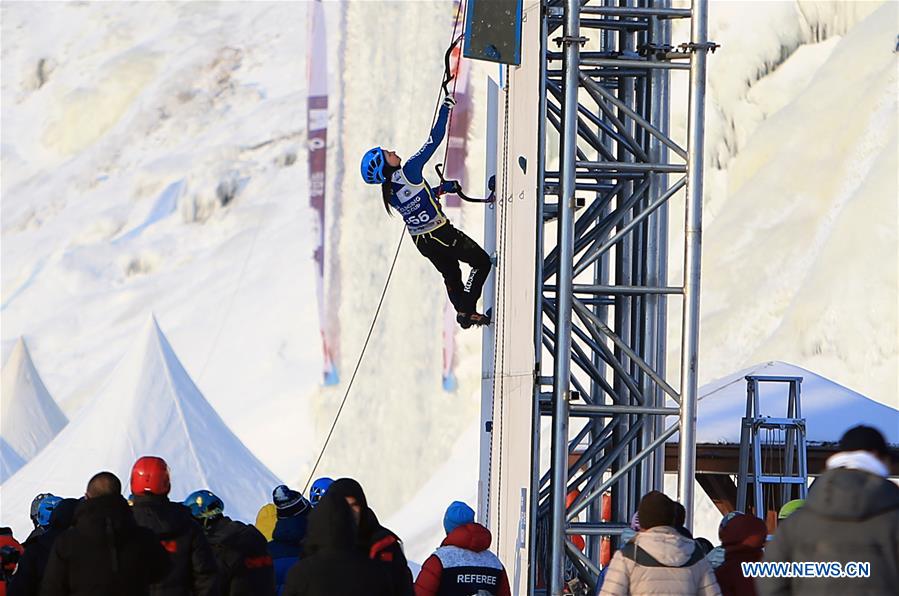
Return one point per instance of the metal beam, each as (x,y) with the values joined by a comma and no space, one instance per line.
(562,353)
(689,372)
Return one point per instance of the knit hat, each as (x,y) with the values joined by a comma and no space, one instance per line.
(347,487)
(789,508)
(864,438)
(680,515)
(743,532)
(655,509)
(457,514)
(635,522)
(289,502)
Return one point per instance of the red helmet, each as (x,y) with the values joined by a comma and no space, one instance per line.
(150,475)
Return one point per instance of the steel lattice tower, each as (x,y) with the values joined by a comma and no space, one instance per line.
(601,325)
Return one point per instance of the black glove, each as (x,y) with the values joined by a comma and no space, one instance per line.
(491,184)
(454,187)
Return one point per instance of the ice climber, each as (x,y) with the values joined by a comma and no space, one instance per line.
(241,551)
(193,567)
(404,188)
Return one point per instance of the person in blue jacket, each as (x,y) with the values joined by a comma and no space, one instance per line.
(286,545)
(404,188)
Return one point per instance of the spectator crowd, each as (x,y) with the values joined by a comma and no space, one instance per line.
(332,543)
(103,544)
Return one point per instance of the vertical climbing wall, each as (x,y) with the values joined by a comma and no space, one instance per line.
(509,361)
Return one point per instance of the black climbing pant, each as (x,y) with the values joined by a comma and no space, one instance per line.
(445,247)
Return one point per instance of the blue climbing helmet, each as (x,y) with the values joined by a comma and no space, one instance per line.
(373,166)
(35,503)
(318,490)
(204,505)
(45,509)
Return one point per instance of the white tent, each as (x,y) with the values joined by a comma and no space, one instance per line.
(829,408)
(30,418)
(9,460)
(149,406)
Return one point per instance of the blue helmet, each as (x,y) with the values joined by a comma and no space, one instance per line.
(45,508)
(35,503)
(373,166)
(318,490)
(204,505)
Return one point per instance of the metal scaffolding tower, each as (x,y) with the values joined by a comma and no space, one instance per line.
(602,291)
(778,460)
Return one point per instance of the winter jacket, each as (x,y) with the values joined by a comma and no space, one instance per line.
(849,516)
(286,546)
(331,565)
(385,547)
(104,553)
(374,540)
(671,549)
(463,565)
(743,539)
(245,567)
(12,550)
(27,579)
(193,569)
(37,531)
(411,195)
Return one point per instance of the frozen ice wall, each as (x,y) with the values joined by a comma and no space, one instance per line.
(399,425)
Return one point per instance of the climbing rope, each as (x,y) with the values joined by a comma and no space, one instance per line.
(349,386)
(449,75)
(499,356)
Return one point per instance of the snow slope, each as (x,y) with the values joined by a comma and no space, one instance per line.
(189,203)
(800,261)
(30,418)
(149,406)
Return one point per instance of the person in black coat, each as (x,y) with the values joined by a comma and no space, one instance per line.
(331,565)
(245,567)
(27,579)
(105,553)
(374,540)
(193,569)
